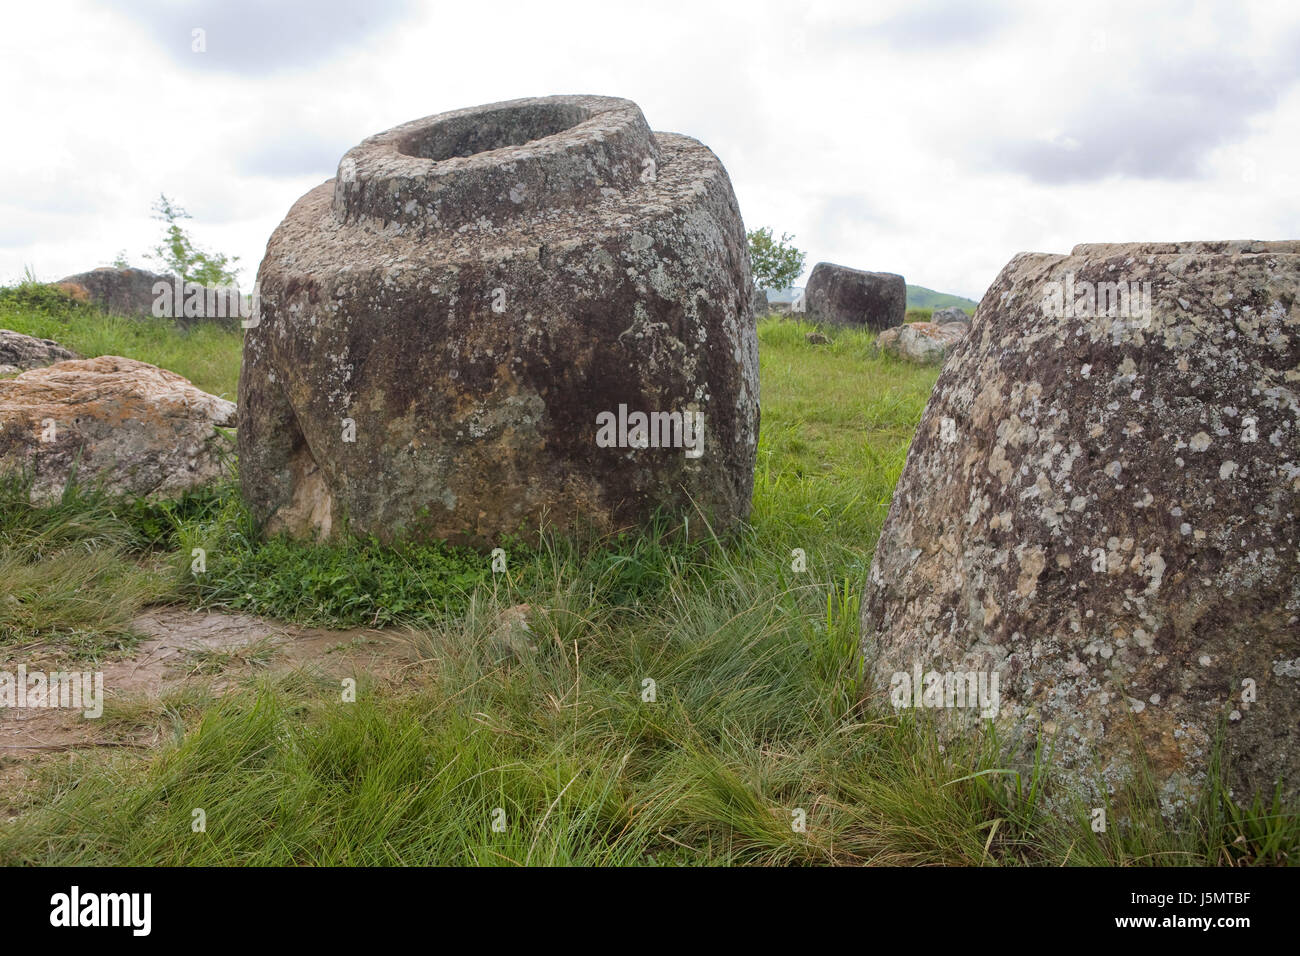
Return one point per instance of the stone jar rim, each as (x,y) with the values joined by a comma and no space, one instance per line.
(486,165)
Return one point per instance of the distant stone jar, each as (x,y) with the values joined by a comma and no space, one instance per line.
(141,294)
(1102,507)
(530,314)
(838,295)
(125,291)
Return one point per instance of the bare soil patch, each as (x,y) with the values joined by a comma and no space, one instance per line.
(182,648)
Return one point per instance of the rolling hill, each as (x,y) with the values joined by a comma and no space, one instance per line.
(919,297)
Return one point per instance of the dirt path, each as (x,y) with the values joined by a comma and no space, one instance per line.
(183,648)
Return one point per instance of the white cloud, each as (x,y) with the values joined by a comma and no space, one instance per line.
(934,140)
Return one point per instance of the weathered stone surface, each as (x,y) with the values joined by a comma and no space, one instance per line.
(143,294)
(838,295)
(760,304)
(138,429)
(19,352)
(922,342)
(950,315)
(1103,510)
(443,324)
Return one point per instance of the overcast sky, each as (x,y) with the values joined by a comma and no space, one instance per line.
(932,139)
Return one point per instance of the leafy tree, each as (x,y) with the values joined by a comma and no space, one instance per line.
(775,264)
(179,254)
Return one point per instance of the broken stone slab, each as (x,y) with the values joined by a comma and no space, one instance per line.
(20,352)
(1102,506)
(924,343)
(501,318)
(133,428)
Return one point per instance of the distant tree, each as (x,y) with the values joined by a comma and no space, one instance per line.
(775,264)
(179,254)
(121,261)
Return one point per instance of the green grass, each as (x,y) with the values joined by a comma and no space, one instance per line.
(206,353)
(350,583)
(755,717)
(74,575)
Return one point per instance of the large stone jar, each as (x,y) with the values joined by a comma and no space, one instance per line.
(457,334)
(1102,506)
